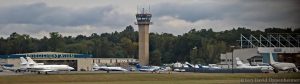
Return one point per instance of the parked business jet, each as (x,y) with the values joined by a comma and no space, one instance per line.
(150,68)
(96,67)
(178,67)
(24,64)
(241,65)
(282,66)
(188,65)
(210,66)
(33,66)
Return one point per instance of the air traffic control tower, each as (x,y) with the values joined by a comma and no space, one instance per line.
(143,22)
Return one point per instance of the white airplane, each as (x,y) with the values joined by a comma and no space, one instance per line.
(96,67)
(178,67)
(210,66)
(33,66)
(241,65)
(282,66)
(24,64)
(188,65)
(150,68)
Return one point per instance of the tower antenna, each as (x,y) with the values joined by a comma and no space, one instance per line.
(137,9)
(149,9)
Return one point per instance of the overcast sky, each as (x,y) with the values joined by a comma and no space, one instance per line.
(73,17)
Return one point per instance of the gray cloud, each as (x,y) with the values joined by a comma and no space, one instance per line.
(190,12)
(40,13)
(173,16)
(39,18)
(245,11)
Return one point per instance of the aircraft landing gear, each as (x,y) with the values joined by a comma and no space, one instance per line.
(17,71)
(276,70)
(46,73)
(295,70)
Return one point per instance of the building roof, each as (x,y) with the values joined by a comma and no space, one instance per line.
(47,55)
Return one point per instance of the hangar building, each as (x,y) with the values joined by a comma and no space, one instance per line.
(77,61)
(256,50)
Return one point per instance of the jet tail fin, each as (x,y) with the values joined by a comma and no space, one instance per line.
(30,61)
(96,65)
(23,60)
(239,62)
(271,60)
(138,66)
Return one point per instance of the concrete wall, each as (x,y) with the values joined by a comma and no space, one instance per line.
(243,54)
(144,44)
(278,49)
(85,64)
(247,53)
(16,62)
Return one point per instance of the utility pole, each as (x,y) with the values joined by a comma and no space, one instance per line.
(232,47)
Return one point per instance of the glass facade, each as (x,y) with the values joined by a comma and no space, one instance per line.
(266,57)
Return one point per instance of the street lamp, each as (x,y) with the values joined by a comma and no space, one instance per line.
(232,47)
(195,50)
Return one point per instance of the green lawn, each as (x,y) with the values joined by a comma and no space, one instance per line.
(139,78)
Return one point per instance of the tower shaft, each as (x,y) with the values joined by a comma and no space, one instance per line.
(144,44)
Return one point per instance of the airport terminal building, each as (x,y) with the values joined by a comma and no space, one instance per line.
(256,50)
(77,61)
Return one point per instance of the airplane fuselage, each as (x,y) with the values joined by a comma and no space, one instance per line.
(49,68)
(283,66)
(104,68)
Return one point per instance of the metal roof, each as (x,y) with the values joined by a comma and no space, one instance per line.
(47,55)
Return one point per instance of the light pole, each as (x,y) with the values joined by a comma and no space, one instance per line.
(232,47)
(195,49)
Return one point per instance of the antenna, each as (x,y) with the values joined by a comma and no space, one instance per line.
(149,9)
(137,9)
(142,7)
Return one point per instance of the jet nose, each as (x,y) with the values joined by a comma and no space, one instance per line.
(71,68)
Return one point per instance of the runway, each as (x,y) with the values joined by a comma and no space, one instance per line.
(139,78)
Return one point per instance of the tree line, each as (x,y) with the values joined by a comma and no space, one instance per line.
(196,46)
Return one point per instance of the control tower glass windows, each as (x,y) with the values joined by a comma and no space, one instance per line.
(143,17)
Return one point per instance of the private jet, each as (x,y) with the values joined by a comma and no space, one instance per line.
(33,66)
(150,68)
(241,65)
(96,67)
(210,66)
(282,66)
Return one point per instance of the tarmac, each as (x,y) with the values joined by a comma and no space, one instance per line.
(5,72)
